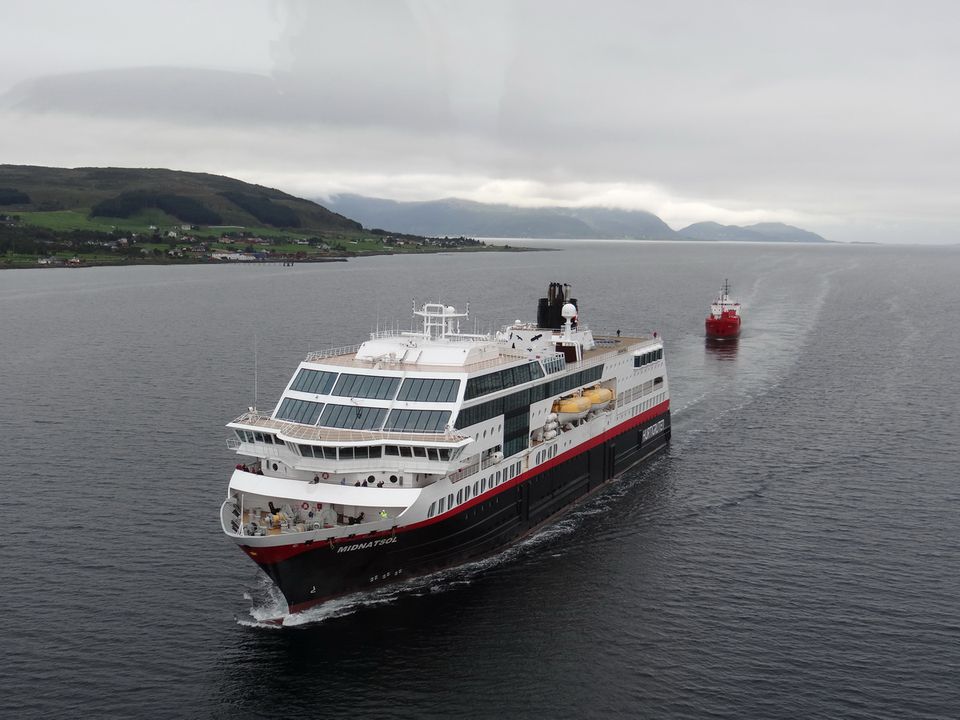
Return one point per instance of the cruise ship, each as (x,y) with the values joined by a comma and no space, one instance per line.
(418,451)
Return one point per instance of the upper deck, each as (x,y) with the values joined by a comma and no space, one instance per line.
(605,345)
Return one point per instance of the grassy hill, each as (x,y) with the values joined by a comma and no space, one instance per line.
(81,197)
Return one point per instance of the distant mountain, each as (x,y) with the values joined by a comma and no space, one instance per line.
(198,198)
(455,217)
(760,232)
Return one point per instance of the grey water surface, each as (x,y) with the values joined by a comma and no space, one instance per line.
(794,554)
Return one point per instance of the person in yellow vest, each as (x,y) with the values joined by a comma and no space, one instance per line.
(383,514)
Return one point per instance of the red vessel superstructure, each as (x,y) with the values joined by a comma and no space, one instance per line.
(723,322)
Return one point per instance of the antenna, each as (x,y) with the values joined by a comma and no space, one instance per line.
(255,371)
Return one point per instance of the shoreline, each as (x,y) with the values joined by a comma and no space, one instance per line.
(286,262)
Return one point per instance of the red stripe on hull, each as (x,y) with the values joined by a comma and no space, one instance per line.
(279,553)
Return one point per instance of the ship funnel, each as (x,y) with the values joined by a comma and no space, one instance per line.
(550,308)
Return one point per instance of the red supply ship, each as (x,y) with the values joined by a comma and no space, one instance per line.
(723,322)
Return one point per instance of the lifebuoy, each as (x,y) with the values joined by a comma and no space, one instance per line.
(325,476)
(305,505)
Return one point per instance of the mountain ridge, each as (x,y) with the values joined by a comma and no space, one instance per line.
(457,216)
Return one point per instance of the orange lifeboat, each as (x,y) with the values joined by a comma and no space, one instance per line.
(599,397)
(571,408)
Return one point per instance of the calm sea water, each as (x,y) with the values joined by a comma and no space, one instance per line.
(794,554)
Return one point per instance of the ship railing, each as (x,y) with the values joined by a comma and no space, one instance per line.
(326,434)
(488,461)
(464,472)
(333,352)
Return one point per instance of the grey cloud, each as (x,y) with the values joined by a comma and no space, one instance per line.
(825,110)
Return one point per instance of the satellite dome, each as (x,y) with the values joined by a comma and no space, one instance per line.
(568,311)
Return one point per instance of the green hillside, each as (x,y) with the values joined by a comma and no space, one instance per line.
(92,195)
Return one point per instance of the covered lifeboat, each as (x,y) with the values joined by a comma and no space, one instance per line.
(571,408)
(599,397)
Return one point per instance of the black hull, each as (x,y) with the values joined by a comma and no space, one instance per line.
(350,565)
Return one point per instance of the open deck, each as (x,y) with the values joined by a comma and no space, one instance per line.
(346,356)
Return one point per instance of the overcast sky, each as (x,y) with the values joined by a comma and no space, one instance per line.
(840,117)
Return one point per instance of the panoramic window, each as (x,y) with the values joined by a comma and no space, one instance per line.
(352,417)
(366,386)
(317,382)
(502,379)
(299,411)
(425,421)
(429,390)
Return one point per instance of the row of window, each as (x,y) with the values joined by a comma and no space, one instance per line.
(375,387)
(372,387)
(647,357)
(353,417)
(247,436)
(299,411)
(316,382)
(524,398)
(478,488)
(363,452)
(502,379)
(428,421)
(429,390)
(547,454)
(628,396)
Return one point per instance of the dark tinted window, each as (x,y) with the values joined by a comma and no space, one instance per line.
(429,390)
(314,381)
(502,379)
(366,386)
(352,417)
(426,421)
(300,411)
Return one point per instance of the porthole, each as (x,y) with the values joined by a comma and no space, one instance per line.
(274,466)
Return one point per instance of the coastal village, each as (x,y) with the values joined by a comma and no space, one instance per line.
(235,244)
